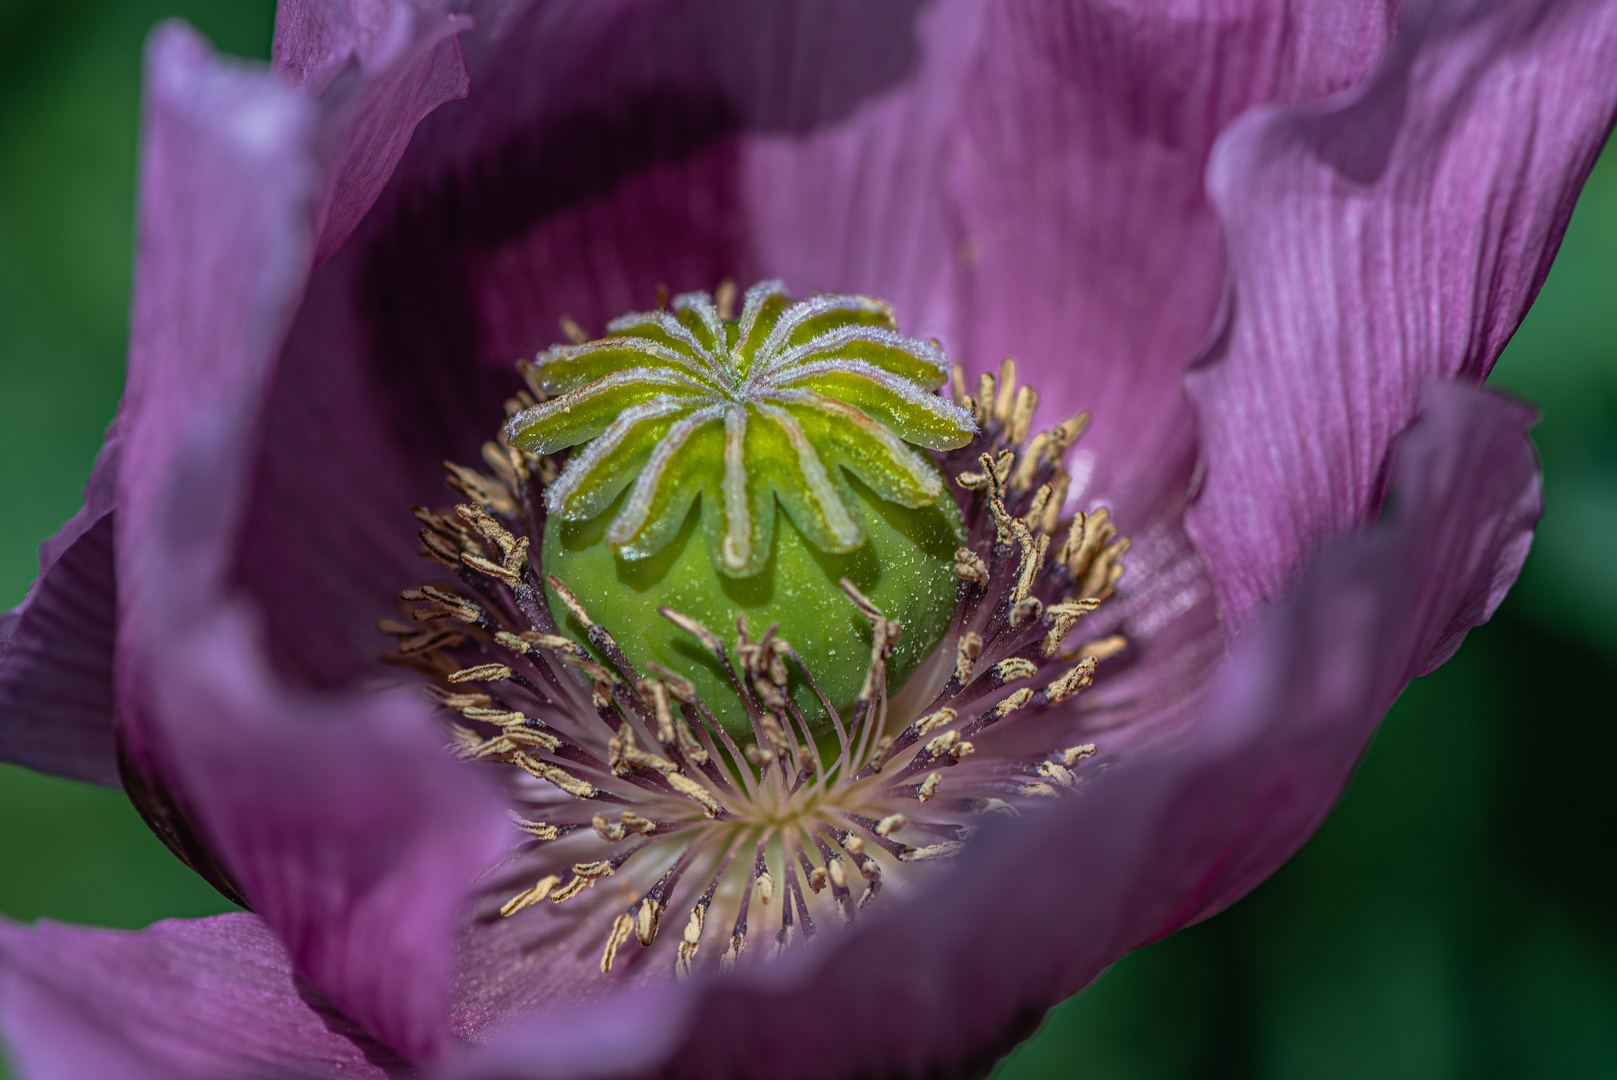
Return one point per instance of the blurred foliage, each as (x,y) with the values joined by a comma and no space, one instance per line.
(1453,918)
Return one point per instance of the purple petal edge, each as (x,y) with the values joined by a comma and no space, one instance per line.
(1396,235)
(56,689)
(378,69)
(180,1000)
(1038,909)
(342,817)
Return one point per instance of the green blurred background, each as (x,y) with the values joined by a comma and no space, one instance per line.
(1453,918)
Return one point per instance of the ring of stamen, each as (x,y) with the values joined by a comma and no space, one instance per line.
(624,774)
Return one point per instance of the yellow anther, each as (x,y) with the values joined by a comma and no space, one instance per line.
(891,824)
(622,927)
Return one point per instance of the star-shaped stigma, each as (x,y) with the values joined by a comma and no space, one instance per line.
(773,405)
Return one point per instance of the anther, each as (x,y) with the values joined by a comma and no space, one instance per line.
(1102,649)
(479,488)
(622,927)
(1074,754)
(439,548)
(1006,394)
(539,830)
(1026,611)
(572,331)
(1070,683)
(572,888)
(690,941)
(578,789)
(481,673)
(455,607)
(555,643)
(646,920)
(1021,414)
(571,602)
(709,640)
(1009,671)
(929,786)
(724,299)
(1062,617)
(679,687)
(969,566)
(1015,700)
(1057,772)
(1034,518)
(965,655)
(541,891)
(497,717)
(635,823)
(932,851)
(696,793)
(891,824)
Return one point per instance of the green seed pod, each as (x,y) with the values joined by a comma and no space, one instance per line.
(792,437)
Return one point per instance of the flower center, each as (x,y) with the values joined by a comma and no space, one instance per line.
(636,801)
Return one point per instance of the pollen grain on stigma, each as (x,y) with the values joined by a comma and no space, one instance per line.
(625,775)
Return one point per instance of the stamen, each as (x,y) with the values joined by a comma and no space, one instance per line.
(654,791)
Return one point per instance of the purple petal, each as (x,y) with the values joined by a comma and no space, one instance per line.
(378,69)
(180,1000)
(608,149)
(1044,198)
(1397,235)
(1038,908)
(56,695)
(342,818)
(1015,178)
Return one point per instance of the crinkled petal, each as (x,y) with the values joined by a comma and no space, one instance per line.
(340,816)
(178,1001)
(1396,235)
(56,693)
(1038,908)
(1036,191)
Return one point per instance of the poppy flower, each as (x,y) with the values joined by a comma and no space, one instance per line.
(1271,250)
